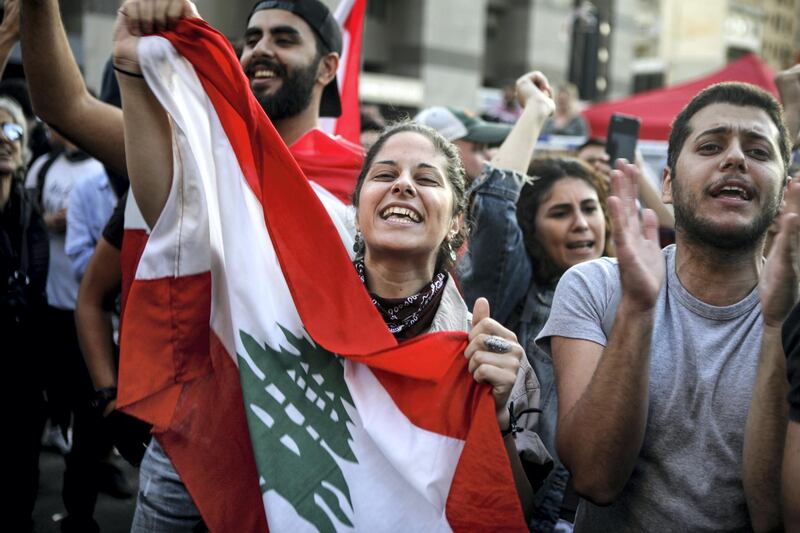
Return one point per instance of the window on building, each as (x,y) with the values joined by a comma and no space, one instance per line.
(647,81)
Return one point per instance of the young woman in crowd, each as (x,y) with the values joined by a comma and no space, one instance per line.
(410,201)
(567,119)
(527,233)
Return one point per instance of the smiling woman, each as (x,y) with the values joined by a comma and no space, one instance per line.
(410,200)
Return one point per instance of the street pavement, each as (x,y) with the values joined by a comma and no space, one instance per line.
(112,515)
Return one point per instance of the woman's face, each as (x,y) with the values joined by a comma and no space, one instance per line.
(405,206)
(10,151)
(570,225)
(563,100)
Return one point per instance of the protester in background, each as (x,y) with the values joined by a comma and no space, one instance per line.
(507,109)
(567,119)
(90,205)
(656,354)
(593,152)
(70,391)
(23,277)
(526,233)
(38,136)
(468,132)
(370,131)
(490,263)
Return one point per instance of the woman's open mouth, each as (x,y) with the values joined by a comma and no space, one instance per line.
(400,214)
(580,245)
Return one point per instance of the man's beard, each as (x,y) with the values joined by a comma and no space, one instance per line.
(294,94)
(700,229)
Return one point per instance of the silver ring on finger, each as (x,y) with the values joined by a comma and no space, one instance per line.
(496,344)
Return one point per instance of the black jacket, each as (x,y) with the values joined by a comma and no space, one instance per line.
(22,287)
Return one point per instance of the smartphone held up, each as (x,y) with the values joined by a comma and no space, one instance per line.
(623,133)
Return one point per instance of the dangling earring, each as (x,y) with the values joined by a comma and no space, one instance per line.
(358,245)
(448,248)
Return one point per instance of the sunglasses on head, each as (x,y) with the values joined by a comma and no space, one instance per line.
(11,131)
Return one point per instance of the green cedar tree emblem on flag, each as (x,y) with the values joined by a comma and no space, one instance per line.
(297,420)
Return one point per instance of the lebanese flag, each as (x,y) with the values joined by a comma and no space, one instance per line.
(307,415)
(350,16)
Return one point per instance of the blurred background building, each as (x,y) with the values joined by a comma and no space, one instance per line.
(461,52)
(677,40)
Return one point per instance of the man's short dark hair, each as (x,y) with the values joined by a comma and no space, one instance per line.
(734,93)
(591,141)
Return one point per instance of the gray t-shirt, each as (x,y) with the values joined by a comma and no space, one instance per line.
(702,368)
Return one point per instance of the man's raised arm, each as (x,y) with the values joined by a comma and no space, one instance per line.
(57,89)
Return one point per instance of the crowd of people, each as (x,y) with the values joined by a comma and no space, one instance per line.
(642,346)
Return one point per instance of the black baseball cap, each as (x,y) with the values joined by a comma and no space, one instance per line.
(319,17)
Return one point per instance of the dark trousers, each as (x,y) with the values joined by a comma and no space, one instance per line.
(70,391)
(22,395)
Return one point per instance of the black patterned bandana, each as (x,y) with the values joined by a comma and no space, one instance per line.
(410,316)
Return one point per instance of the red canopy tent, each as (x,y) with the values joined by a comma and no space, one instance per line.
(658,108)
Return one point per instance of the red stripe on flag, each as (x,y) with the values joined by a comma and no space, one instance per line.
(172,352)
(482,495)
(348,124)
(210,447)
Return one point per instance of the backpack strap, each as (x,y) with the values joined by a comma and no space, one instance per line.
(42,174)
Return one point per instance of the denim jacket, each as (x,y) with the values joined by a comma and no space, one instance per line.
(497,267)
